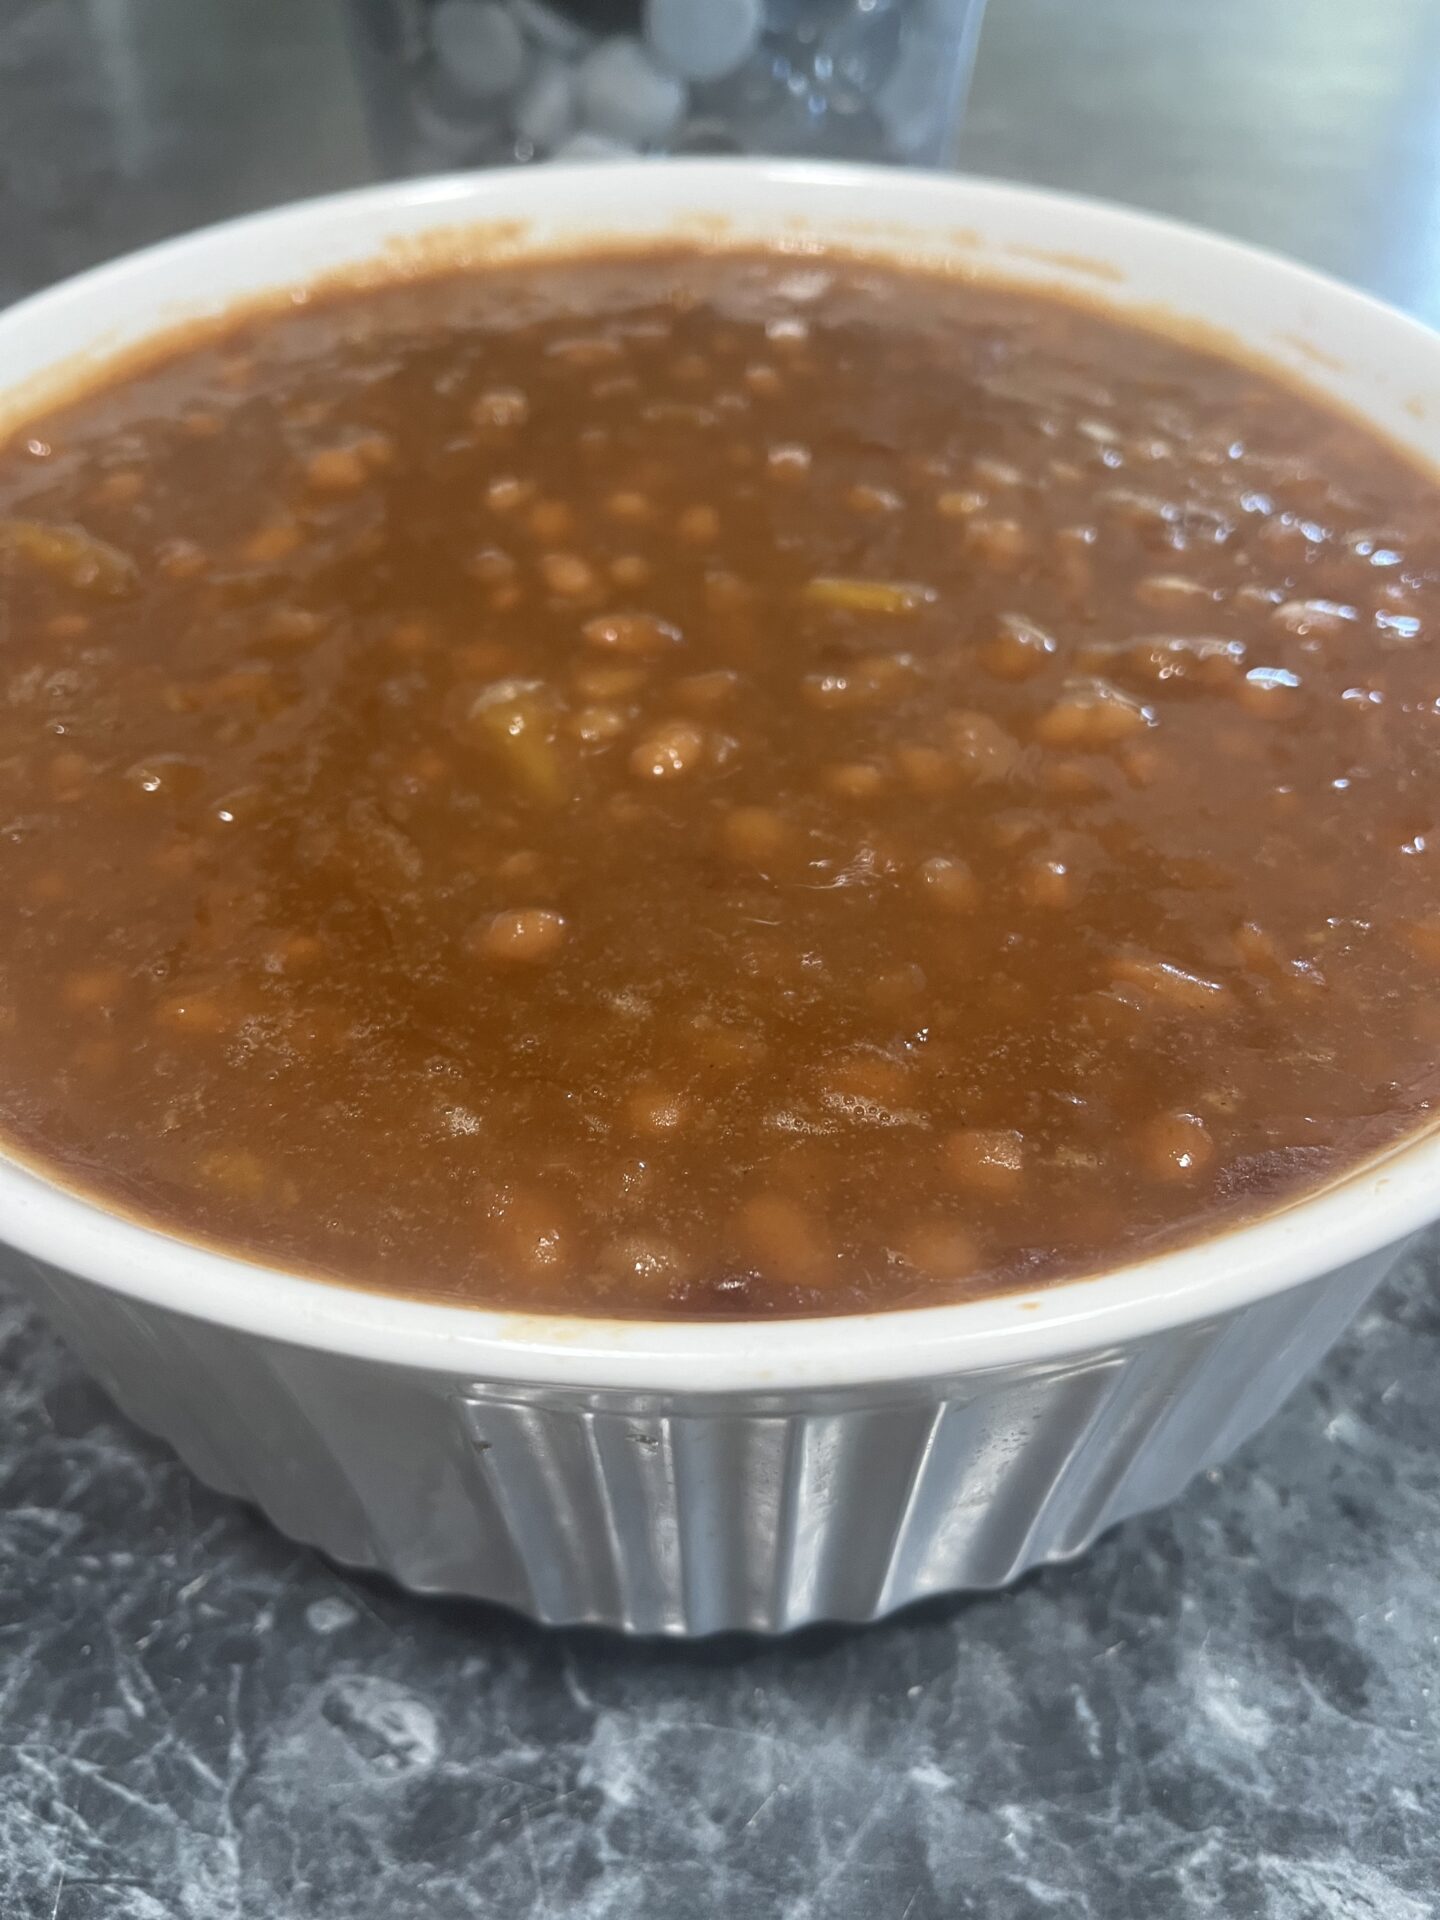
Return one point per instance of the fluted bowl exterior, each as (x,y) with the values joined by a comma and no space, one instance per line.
(676,1513)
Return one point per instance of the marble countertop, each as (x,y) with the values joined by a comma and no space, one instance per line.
(1228,1709)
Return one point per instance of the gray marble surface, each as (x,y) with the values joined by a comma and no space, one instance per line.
(1228,1709)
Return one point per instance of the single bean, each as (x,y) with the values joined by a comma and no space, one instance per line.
(626,504)
(653,1108)
(602,681)
(854,780)
(706,692)
(926,770)
(1019,650)
(507,491)
(867,1087)
(785,1240)
(569,575)
(531,1232)
(551,519)
(1269,693)
(941,1249)
(985,1159)
(1049,883)
(68,626)
(270,544)
(1002,545)
(866,499)
(337,470)
(961,503)
(667,750)
(756,836)
(948,883)
(645,1268)
(1176,985)
(1092,716)
(92,989)
(596,726)
(1172,593)
(980,747)
(698,526)
(491,566)
(523,936)
(500,407)
(1175,1146)
(789,461)
(180,559)
(631,633)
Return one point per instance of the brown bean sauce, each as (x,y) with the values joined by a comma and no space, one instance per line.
(707,784)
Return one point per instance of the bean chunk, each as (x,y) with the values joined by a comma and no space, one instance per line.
(522,936)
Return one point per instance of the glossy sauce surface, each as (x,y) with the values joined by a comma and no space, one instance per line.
(710,785)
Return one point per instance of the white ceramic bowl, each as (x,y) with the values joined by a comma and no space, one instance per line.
(682,1478)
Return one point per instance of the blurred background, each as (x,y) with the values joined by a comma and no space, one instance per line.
(1309,124)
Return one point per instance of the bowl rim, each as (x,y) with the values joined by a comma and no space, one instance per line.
(1371,1207)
